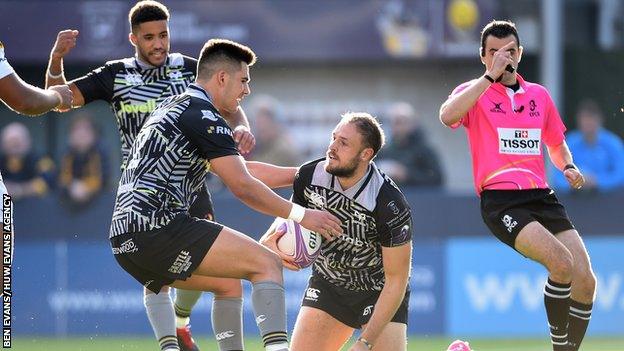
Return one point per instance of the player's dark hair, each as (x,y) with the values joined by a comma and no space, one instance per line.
(370,129)
(217,52)
(147,11)
(500,30)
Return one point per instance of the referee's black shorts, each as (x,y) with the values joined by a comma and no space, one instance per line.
(506,212)
(158,257)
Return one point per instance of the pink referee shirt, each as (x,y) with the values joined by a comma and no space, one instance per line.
(506,130)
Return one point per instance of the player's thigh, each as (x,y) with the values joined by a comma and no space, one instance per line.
(393,337)
(537,243)
(220,287)
(235,255)
(316,330)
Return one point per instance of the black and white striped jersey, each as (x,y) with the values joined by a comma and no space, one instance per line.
(169,161)
(373,212)
(134,89)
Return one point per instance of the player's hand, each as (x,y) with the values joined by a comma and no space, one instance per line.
(65,42)
(270,241)
(244,139)
(501,59)
(574,177)
(322,222)
(66,96)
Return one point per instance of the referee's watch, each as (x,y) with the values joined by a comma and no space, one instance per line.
(365,342)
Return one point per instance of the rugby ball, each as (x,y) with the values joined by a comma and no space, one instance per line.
(459,345)
(298,242)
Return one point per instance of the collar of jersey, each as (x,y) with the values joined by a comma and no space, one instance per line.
(197,91)
(503,89)
(144,65)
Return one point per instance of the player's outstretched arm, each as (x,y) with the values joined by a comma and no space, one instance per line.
(231,169)
(55,74)
(397,264)
(271,175)
(30,100)
(561,157)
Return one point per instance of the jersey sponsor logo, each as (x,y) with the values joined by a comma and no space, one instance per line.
(532,107)
(207,114)
(312,294)
(368,310)
(317,200)
(224,335)
(175,74)
(147,107)
(513,141)
(181,263)
(353,241)
(497,107)
(127,246)
(393,207)
(509,222)
(133,79)
(219,130)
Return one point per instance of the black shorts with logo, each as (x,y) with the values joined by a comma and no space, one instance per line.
(506,212)
(158,257)
(353,308)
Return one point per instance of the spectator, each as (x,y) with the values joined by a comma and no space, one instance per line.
(25,174)
(273,143)
(598,153)
(84,167)
(408,158)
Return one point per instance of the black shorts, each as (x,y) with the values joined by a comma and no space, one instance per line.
(353,308)
(158,257)
(506,212)
(202,205)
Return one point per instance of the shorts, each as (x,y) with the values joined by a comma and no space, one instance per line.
(158,257)
(506,212)
(353,308)
(202,205)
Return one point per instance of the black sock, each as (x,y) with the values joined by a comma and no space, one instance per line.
(580,314)
(557,302)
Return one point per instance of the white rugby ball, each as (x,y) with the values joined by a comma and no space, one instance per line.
(298,242)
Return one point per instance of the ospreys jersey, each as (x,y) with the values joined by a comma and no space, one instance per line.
(169,162)
(373,212)
(133,90)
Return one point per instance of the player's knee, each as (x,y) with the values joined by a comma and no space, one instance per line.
(230,288)
(269,267)
(585,283)
(164,289)
(562,267)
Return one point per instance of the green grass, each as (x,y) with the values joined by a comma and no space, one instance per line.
(415,344)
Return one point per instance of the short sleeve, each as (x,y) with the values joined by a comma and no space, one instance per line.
(554,129)
(464,120)
(208,132)
(394,219)
(99,83)
(5,67)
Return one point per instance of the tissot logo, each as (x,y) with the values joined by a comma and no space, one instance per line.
(522,134)
(497,107)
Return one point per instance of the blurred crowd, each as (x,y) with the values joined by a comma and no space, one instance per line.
(84,170)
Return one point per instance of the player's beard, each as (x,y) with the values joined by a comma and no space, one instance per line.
(144,56)
(345,171)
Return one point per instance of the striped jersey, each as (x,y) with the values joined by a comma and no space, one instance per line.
(168,162)
(373,213)
(134,89)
